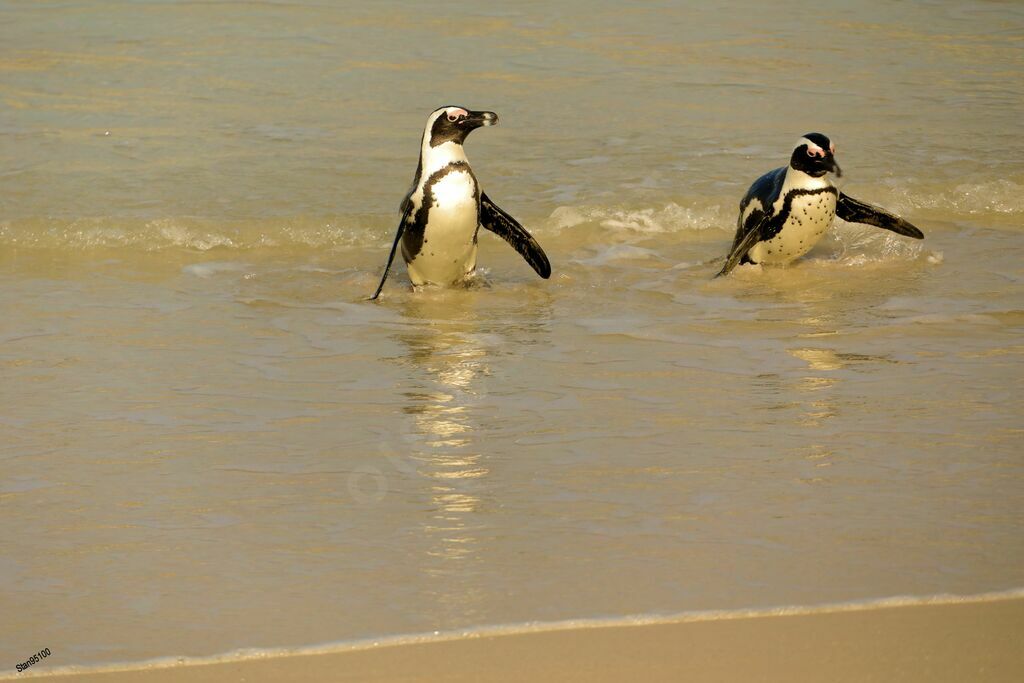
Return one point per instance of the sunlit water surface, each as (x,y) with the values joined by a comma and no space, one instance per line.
(210,441)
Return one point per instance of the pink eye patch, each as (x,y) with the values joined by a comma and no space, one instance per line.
(456,114)
(814,151)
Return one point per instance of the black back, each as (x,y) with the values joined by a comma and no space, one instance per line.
(764,192)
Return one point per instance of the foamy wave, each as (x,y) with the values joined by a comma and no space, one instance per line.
(1001,197)
(184,233)
(500,630)
(649,221)
(998,202)
(212,268)
(619,252)
(310,233)
(860,244)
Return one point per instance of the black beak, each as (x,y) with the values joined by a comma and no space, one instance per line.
(481,118)
(830,164)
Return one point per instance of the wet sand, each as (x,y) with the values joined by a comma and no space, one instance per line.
(960,641)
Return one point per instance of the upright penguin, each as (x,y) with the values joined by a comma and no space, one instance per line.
(786,211)
(445,208)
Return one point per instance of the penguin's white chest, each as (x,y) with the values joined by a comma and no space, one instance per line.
(810,215)
(448,253)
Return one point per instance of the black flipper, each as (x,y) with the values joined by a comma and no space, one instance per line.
(508,229)
(406,215)
(849,209)
(742,246)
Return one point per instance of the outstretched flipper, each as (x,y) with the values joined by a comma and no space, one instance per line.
(742,246)
(508,229)
(854,211)
(406,217)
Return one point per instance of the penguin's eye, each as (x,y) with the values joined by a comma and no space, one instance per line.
(454,117)
(815,152)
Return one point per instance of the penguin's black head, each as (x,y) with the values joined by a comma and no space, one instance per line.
(815,155)
(453,124)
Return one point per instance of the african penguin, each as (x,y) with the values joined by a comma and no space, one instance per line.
(445,207)
(786,211)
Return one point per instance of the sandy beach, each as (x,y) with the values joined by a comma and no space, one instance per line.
(958,641)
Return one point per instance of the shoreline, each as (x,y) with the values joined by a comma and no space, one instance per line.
(940,637)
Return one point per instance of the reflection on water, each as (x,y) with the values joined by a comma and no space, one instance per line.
(442,343)
(819,405)
(819,318)
(817,390)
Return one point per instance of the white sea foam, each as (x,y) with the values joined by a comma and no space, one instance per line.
(247,654)
(1001,197)
(184,233)
(619,252)
(861,244)
(649,221)
(212,268)
(986,203)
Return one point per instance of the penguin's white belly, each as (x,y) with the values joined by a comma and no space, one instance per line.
(809,217)
(448,253)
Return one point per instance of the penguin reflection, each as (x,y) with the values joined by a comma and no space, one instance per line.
(818,316)
(450,360)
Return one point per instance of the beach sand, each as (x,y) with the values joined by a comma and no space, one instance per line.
(966,641)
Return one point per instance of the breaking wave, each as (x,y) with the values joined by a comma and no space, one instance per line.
(535,627)
(184,233)
(998,198)
(647,221)
(998,203)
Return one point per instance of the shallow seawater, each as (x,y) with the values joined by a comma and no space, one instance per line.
(211,441)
